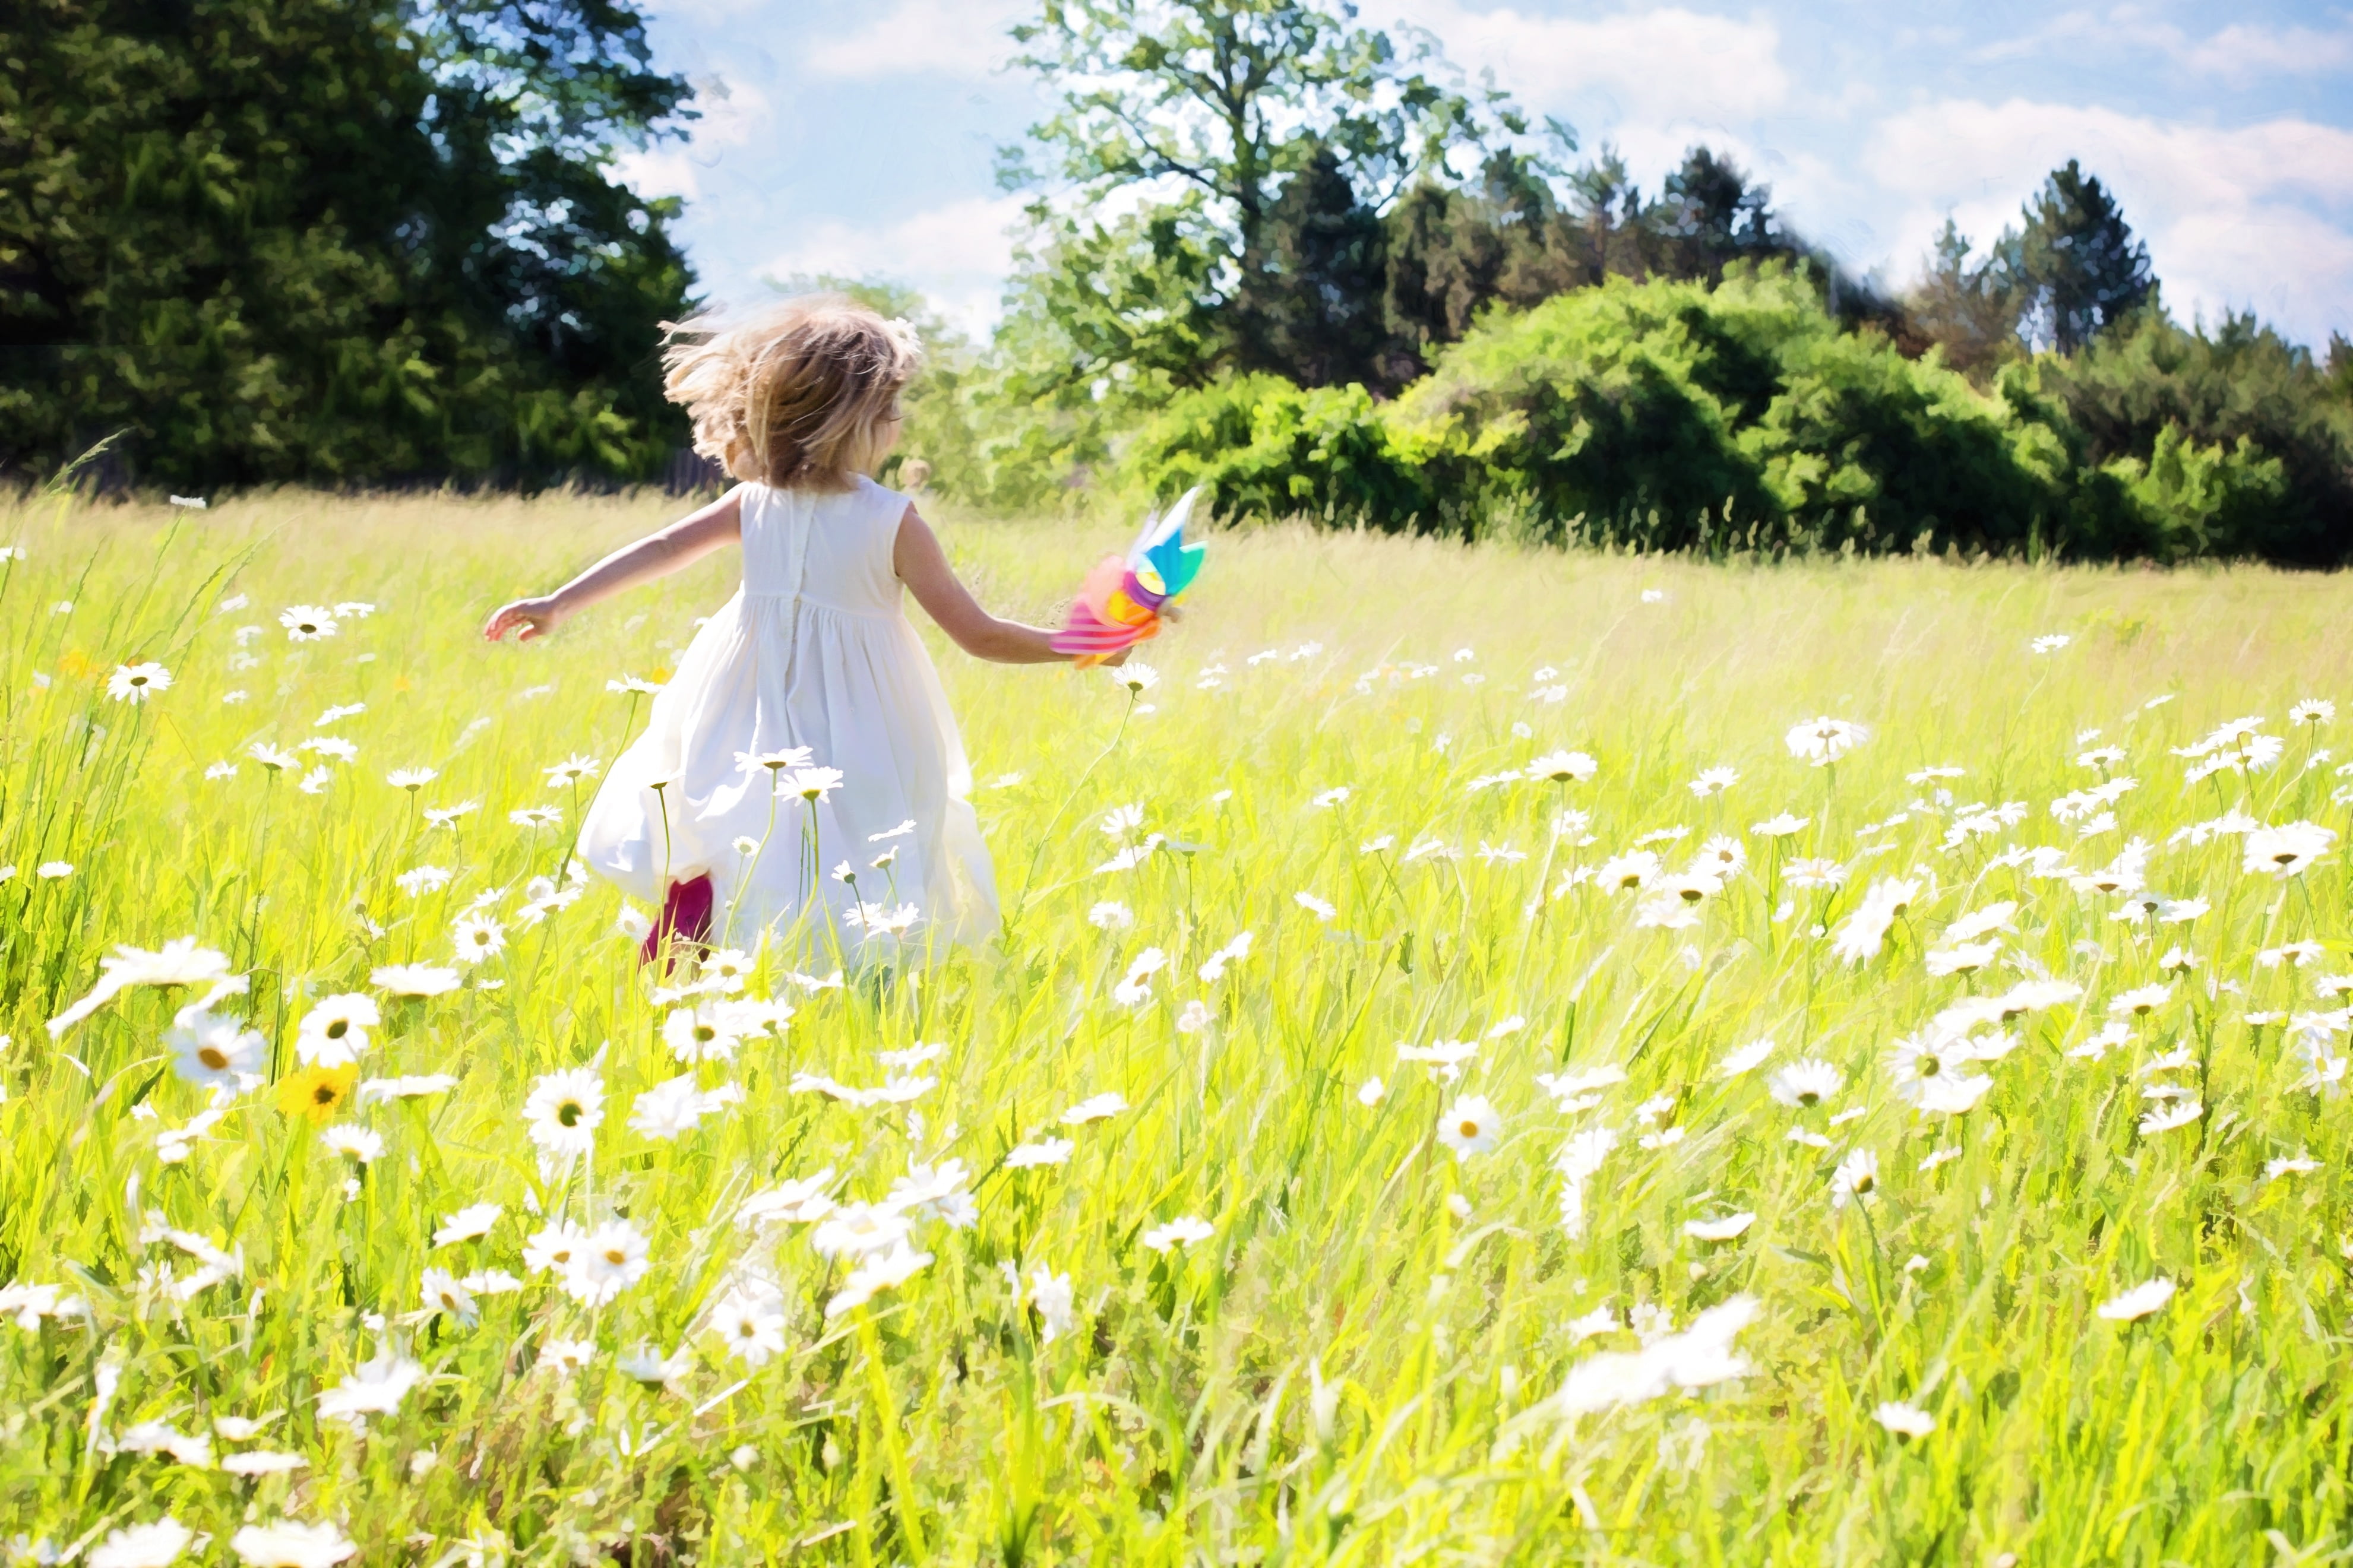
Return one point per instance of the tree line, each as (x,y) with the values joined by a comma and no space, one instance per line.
(366,241)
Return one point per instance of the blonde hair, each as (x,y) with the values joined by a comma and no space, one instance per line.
(799,396)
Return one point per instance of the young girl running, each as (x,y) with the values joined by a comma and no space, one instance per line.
(810,665)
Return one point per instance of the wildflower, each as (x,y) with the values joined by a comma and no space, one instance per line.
(155,1545)
(1699,1357)
(814,785)
(1137,678)
(1195,1018)
(477,937)
(422,879)
(1822,742)
(2052,643)
(316,1093)
(2285,851)
(1725,1229)
(671,1108)
(213,1053)
(261,1462)
(751,1323)
(1369,1092)
(554,1247)
(308,623)
(1051,1295)
(627,685)
(1044,1151)
(1906,1420)
(134,683)
(1856,1179)
(1561,767)
(1814,873)
(360,1145)
(1779,826)
(468,1223)
(2312,710)
(413,979)
(1098,1108)
(2289,1165)
(884,1272)
(1622,873)
(1966,958)
(335,1031)
(571,770)
(1331,797)
(2165,1118)
(54,871)
(1183,1231)
(1447,1055)
(536,817)
(374,1387)
(1110,915)
(564,1111)
(450,815)
(441,1293)
(702,1033)
(2139,1302)
(2141,1002)
(286,1543)
(1747,1057)
(1469,1126)
(1714,781)
(610,1259)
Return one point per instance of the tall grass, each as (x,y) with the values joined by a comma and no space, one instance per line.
(1362,1363)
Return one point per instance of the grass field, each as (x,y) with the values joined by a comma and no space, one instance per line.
(1815,1199)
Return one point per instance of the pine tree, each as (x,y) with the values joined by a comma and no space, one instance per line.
(2079,267)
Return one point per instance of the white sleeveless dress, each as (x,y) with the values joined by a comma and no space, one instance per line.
(813,651)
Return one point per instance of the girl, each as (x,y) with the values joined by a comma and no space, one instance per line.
(810,665)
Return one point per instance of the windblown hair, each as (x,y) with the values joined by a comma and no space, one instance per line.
(798,395)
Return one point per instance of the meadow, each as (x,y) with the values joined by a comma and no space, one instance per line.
(1493,1057)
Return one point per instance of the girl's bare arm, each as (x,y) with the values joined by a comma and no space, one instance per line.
(924,566)
(659,554)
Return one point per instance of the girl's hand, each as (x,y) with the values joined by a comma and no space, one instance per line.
(527,619)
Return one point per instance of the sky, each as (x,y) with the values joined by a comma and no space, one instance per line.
(859,137)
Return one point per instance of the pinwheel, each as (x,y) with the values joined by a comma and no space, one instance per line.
(1121,602)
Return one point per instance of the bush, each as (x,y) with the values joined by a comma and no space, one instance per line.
(1673,415)
(1263,446)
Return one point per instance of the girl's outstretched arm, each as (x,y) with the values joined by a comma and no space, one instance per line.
(658,554)
(924,566)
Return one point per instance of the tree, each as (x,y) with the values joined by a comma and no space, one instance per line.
(1229,101)
(1709,216)
(2079,269)
(1314,311)
(322,241)
(1970,308)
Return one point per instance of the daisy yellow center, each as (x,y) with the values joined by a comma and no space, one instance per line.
(212,1057)
(1808,1098)
(1468,1128)
(339,1028)
(704,1034)
(615,1256)
(568,1113)
(325,1095)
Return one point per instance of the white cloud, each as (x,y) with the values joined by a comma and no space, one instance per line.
(2237,54)
(958,255)
(923,37)
(732,115)
(2243,216)
(1659,65)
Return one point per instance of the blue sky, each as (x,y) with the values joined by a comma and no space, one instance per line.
(857,136)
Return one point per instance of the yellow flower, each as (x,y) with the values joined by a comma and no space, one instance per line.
(317,1092)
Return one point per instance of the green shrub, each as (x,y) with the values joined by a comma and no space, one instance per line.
(1673,415)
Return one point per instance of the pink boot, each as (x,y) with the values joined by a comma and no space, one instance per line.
(685,917)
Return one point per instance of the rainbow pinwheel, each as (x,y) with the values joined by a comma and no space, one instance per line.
(1119,604)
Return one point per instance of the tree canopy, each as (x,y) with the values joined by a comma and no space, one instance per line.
(332,240)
